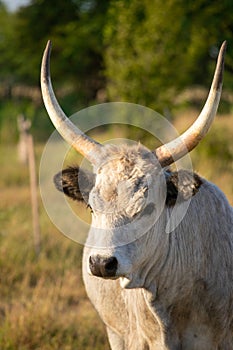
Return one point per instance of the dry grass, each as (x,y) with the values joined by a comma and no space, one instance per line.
(43,304)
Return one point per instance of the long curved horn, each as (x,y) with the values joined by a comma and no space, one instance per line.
(75,137)
(177,148)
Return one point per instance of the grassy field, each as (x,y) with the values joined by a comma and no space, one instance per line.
(43,304)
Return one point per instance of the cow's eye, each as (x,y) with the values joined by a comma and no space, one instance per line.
(148,210)
(139,182)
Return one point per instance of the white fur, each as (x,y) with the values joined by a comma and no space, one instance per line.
(172,291)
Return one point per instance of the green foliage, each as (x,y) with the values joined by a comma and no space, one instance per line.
(6,44)
(75,28)
(34,25)
(77,54)
(156,48)
(139,51)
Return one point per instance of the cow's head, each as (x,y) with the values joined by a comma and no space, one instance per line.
(129,187)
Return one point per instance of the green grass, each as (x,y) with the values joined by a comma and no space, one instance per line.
(43,304)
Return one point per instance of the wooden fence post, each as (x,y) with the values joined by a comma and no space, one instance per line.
(28,155)
(34,197)
(23,127)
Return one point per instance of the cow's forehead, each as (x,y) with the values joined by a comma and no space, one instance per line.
(123,177)
(126,161)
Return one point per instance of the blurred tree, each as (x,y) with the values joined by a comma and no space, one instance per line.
(83,49)
(34,24)
(155,47)
(151,48)
(75,28)
(6,37)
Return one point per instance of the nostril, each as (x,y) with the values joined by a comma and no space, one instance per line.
(91,261)
(111,265)
(95,266)
(103,267)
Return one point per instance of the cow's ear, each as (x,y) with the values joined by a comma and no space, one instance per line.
(75,183)
(181,186)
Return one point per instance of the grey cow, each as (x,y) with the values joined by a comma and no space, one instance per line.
(152,288)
